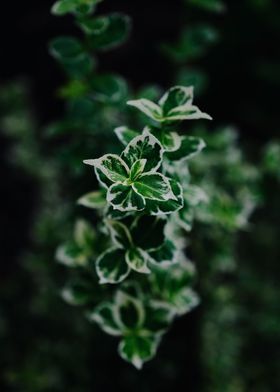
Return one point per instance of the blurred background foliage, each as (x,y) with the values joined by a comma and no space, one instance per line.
(50,122)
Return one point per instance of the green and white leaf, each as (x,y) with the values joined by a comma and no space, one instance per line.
(154,186)
(147,107)
(137,260)
(103,315)
(129,312)
(185,300)
(71,255)
(164,255)
(108,89)
(138,349)
(63,7)
(84,234)
(169,206)
(195,195)
(111,266)
(124,198)
(190,147)
(176,96)
(119,233)
(137,169)
(115,30)
(186,112)
(170,141)
(148,231)
(95,200)
(144,146)
(159,316)
(125,134)
(112,166)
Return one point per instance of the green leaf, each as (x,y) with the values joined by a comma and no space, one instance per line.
(84,234)
(170,141)
(154,186)
(195,195)
(158,317)
(71,255)
(124,198)
(66,48)
(169,206)
(119,233)
(103,315)
(95,200)
(176,96)
(77,293)
(115,30)
(144,146)
(108,89)
(94,26)
(190,146)
(138,349)
(175,105)
(165,254)
(112,166)
(71,54)
(148,231)
(209,5)
(63,7)
(137,169)
(111,266)
(129,312)
(125,134)
(147,107)
(137,260)
(186,113)
(185,217)
(194,42)
(173,286)
(184,300)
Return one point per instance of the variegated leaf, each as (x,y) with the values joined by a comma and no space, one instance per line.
(137,260)
(125,134)
(111,266)
(71,255)
(147,107)
(137,169)
(184,300)
(145,146)
(112,166)
(119,233)
(169,206)
(170,141)
(176,96)
(190,146)
(129,312)
(124,198)
(186,113)
(154,186)
(138,349)
(95,200)
(165,254)
(103,315)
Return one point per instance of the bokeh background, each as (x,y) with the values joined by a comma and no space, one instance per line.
(47,345)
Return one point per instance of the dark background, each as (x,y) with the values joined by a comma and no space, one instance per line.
(243,70)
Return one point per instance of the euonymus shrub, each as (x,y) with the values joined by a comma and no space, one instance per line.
(137,248)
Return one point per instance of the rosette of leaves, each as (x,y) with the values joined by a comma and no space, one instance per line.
(138,245)
(139,321)
(175,105)
(133,179)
